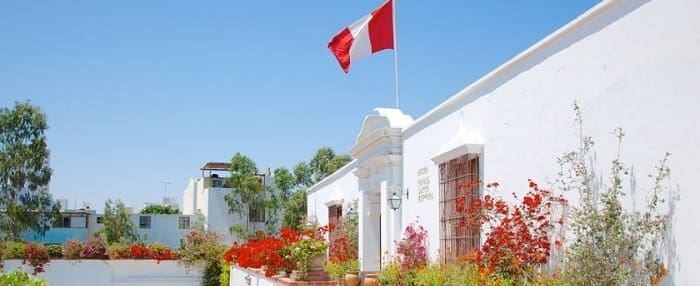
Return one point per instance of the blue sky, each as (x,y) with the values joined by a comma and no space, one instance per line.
(140,92)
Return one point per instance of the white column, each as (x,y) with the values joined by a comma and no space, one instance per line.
(369,227)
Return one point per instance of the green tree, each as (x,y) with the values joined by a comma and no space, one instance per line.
(117,224)
(160,209)
(324,163)
(24,172)
(295,210)
(247,191)
(284,181)
(303,174)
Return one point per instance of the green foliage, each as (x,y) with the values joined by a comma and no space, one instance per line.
(19,277)
(72,249)
(212,273)
(55,251)
(225,277)
(613,246)
(160,209)
(24,172)
(303,174)
(390,273)
(335,270)
(119,251)
(14,250)
(338,270)
(247,191)
(325,162)
(118,226)
(284,181)
(432,275)
(203,249)
(295,210)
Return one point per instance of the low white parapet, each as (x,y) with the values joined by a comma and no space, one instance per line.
(114,272)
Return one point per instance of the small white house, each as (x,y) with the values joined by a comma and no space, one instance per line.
(633,64)
(205,196)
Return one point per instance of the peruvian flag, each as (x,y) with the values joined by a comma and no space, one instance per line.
(369,35)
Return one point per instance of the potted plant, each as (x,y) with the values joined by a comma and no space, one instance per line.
(309,253)
(352,268)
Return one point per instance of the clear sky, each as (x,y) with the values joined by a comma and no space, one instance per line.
(141,92)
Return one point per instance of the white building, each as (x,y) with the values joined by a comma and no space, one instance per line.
(633,64)
(82,224)
(205,195)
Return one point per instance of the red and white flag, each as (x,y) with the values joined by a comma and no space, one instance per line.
(369,35)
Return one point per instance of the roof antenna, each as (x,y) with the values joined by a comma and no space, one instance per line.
(165,188)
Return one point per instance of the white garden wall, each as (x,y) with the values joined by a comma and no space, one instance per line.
(114,273)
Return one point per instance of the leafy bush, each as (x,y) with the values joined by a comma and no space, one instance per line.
(159,251)
(432,275)
(613,246)
(119,251)
(19,277)
(55,251)
(14,250)
(203,248)
(225,277)
(390,273)
(334,270)
(37,255)
(95,248)
(72,249)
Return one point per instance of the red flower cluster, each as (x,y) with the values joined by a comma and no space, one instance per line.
(37,255)
(259,252)
(139,252)
(269,251)
(341,250)
(157,252)
(519,236)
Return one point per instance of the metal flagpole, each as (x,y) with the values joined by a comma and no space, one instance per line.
(396,53)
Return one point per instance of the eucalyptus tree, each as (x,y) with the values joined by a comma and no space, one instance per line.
(25,203)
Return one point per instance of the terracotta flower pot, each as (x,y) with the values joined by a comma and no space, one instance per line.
(352,279)
(371,280)
(317,262)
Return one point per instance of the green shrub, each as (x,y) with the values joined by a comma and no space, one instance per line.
(55,251)
(119,251)
(432,275)
(14,250)
(72,249)
(19,277)
(94,248)
(225,276)
(389,274)
(335,270)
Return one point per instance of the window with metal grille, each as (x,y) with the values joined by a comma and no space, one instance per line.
(456,238)
(256,213)
(335,215)
(144,221)
(183,222)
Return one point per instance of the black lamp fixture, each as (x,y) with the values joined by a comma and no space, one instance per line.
(352,214)
(394,201)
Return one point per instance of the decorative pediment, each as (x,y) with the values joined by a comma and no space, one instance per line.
(463,142)
(383,118)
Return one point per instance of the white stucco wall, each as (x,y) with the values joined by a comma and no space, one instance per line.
(211,203)
(631,64)
(164,228)
(189,198)
(114,273)
(341,187)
